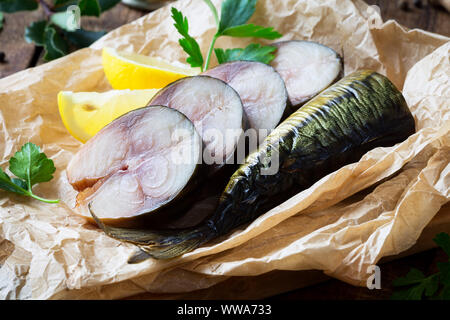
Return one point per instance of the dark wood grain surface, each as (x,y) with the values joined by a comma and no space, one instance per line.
(430,18)
(21,55)
(18,53)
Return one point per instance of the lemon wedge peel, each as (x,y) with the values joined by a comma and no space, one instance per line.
(135,71)
(85,113)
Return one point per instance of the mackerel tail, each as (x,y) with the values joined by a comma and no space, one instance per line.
(360,112)
(158,244)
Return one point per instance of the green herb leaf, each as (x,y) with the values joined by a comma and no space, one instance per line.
(233,18)
(20,183)
(84,38)
(414,293)
(431,285)
(90,8)
(445,293)
(10,6)
(55,47)
(235,13)
(107,4)
(420,285)
(1,20)
(34,33)
(443,240)
(414,276)
(7,184)
(32,165)
(251,30)
(189,44)
(253,52)
(444,268)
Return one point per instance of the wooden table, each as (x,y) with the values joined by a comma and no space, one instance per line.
(21,55)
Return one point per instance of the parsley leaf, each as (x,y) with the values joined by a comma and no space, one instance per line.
(233,18)
(235,13)
(34,33)
(423,285)
(414,276)
(90,8)
(55,46)
(250,30)
(1,20)
(189,44)
(419,285)
(444,268)
(253,52)
(7,184)
(443,240)
(84,38)
(31,166)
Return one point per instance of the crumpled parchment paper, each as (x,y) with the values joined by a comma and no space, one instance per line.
(344,223)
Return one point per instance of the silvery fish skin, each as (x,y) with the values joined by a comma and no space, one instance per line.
(360,112)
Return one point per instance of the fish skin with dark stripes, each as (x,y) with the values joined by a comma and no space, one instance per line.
(360,112)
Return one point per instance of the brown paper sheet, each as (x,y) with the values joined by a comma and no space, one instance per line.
(47,252)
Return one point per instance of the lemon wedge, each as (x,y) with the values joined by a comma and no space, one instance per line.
(134,71)
(85,113)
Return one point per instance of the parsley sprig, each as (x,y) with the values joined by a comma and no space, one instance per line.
(436,286)
(233,23)
(253,52)
(31,166)
(189,45)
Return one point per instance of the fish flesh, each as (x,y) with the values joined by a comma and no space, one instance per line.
(214,107)
(307,68)
(136,165)
(358,113)
(262,91)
